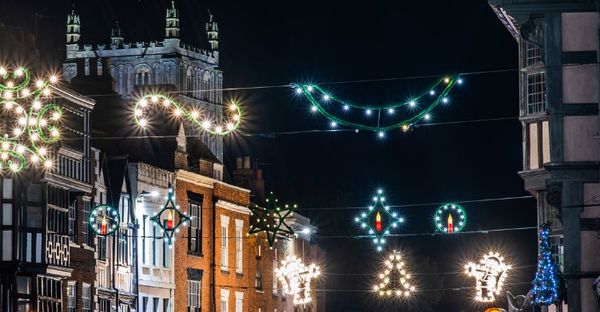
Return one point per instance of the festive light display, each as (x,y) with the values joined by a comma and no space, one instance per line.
(450,218)
(195,116)
(378,220)
(403,115)
(104,220)
(489,273)
(31,117)
(271,220)
(546,285)
(296,277)
(170,218)
(394,280)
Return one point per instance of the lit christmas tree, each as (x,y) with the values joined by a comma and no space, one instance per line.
(546,285)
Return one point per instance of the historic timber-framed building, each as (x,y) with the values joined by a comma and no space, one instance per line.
(559,94)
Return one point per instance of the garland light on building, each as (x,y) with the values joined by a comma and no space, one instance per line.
(32,119)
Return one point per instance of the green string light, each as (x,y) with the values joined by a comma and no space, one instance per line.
(321,102)
(196,117)
(450,218)
(35,120)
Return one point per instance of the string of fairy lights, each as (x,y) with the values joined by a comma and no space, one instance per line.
(36,127)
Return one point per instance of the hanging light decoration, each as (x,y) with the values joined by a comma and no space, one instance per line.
(379,119)
(296,277)
(104,220)
(170,218)
(547,283)
(489,273)
(394,280)
(450,218)
(379,220)
(141,114)
(271,220)
(32,119)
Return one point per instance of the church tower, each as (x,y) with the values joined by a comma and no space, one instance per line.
(172,22)
(212,32)
(116,36)
(73,28)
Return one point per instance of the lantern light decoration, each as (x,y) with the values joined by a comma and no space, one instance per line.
(402,115)
(296,277)
(104,220)
(31,117)
(394,280)
(170,218)
(450,218)
(489,273)
(379,220)
(197,117)
(546,285)
(271,220)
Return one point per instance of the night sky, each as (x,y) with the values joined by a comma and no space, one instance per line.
(279,42)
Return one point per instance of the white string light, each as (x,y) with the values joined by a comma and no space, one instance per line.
(490,273)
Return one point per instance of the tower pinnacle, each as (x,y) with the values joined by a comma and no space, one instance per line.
(172,22)
(212,32)
(73,27)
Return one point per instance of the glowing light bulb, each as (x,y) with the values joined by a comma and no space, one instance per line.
(20,149)
(390,111)
(46,92)
(143,103)
(230,126)
(177,112)
(195,114)
(54,133)
(298,90)
(368,112)
(427,117)
(236,117)
(432,92)
(37,105)
(19,110)
(56,115)
(25,92)
(412,103)
(233,107)
(166,102)
(333,124)
(7,95)
(34,158)
(154,99)
(48,163)
(309,88)
(445,100)
(53,79)
(219,129)
(5,145)
(17,131)
(459,81)
(206,124)
(138,112)
(346,107)
(446,80)
(313,108)
(14,167)
(39,83)
(22,121)
(42,151)
(381,134)
(4,155)
(32,121)
(3,71)
(326,97)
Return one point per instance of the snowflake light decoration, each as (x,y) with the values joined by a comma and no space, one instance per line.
(31,120)
(271,220)
(195,116)
(170,218)
(489,273)
(394,280)
(450,218)
(378,220)
(296,277)
(104,220)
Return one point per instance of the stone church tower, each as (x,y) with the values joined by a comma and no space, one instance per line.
(192,72)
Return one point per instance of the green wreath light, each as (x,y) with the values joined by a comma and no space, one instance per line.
(450,218)
(416,111)
(379,220)
(100,217)
(33,120)
(170,218)
(178,111)
(271,220)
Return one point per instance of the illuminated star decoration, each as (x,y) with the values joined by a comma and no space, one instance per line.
(170,218)
(489,273)
(104,220)
(296,277)
(394,280)
(195,116)
(31,120)
(378,220)
(271,220)
(402,115)
(450,218)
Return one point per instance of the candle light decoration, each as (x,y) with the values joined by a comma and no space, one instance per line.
(379,220)
(31,117)
(104,220)
(450,218)
(170,218)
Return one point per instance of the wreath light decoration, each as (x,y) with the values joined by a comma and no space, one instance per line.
(104,220)
(450,218)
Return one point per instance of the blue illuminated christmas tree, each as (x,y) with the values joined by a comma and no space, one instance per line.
(546,285)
